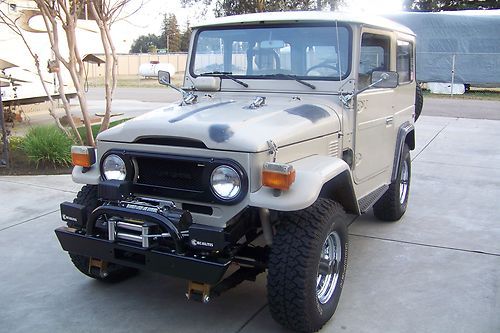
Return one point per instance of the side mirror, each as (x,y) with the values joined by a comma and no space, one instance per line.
(379,80)
(384,79)
(164,77)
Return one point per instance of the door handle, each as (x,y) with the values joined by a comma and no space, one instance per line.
(389,120)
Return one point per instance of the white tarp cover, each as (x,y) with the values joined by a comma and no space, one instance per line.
(446,88)
(471,38)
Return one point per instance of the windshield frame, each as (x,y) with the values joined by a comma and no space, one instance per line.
(332,24)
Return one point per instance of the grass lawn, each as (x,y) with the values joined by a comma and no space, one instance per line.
(96,127)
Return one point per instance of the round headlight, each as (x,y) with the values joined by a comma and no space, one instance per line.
(114,168)
(226,182)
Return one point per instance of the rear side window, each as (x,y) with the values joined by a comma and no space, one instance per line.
(375,56)
(404,66)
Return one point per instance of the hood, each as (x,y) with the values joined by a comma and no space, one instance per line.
(226,124)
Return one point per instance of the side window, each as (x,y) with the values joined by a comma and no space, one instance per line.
(404,65)
(375,56)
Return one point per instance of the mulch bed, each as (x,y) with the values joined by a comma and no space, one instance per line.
(20,165)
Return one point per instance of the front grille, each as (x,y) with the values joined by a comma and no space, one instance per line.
(177,177)
(170,173)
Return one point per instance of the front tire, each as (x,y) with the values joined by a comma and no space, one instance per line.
(88,197)
(392,205)
(307,266)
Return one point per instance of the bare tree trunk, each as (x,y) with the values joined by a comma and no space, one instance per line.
(109,66)
(75,68)
(58,9)
(4,158)
(52,107)
(52,31)
(114,74)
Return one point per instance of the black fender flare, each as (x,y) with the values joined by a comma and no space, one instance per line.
(406,134)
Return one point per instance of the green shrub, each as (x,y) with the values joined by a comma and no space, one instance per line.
(47,144)
(16,143)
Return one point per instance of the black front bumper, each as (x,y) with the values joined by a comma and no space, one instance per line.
(182,266)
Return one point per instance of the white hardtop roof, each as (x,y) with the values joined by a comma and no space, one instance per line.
(307,16)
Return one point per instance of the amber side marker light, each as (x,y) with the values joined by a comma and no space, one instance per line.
(277,175)
(82,156)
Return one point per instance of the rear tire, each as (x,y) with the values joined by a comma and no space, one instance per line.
(88,197)
(307,266)
(419,101)
(392,205)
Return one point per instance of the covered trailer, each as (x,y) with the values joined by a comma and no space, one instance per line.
(462,47)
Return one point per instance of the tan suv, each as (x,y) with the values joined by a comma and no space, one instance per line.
(288,123)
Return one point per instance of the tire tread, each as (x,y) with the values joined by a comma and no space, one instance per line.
(388,208)
(293,258)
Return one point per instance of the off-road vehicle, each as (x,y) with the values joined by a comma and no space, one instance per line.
(289,124)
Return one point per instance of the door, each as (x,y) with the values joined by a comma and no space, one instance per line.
(374,146)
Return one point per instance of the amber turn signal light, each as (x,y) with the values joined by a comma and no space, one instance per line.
(278,176)
(82,156)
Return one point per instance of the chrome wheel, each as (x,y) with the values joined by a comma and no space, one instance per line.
(403,182)
(329,267)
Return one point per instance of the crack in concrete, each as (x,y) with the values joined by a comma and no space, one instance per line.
(251,318)
(38,186)
(29,220)
(432,140)
(427,245)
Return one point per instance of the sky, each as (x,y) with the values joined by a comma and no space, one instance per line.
(148,19)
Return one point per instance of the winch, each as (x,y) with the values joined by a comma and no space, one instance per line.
(147,233)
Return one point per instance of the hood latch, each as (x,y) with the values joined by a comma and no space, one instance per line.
(258,102)
(273,149)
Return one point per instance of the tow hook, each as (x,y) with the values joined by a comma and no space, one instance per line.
(198,292)
(97,266)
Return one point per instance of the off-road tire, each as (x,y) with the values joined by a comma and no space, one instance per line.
(294,265)
(419,101)
(389,207)
(87,196)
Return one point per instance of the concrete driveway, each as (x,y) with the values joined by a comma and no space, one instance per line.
(437,270)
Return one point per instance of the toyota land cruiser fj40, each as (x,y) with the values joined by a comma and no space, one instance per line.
(289,125)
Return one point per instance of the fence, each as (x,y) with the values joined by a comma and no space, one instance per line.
(128,64)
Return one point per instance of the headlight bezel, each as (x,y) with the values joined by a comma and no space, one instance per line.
(129,170)
(213,186)
(123,167)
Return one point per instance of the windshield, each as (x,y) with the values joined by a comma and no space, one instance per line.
(307,52)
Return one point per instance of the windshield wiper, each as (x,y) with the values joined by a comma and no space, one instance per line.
(226,75)
(293,77)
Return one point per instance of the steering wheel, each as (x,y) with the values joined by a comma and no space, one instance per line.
(324,64)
